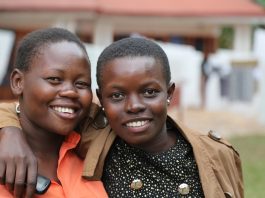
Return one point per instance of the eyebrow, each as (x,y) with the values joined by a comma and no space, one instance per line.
(120,86)
(56,69)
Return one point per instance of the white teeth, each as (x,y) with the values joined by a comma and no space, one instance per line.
(63,109)
(137,123)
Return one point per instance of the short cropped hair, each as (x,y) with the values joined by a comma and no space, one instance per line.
(31,45)
(133,47)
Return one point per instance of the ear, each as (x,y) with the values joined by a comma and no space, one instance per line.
(99,96)
(170,90)
(17,82)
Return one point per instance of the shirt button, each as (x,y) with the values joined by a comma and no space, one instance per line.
(136,184)
(184,189)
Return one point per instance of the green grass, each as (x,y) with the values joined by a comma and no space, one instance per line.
(252,153)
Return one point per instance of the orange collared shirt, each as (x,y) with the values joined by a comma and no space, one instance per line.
(69,173)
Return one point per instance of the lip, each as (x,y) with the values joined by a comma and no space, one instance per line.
(138,125)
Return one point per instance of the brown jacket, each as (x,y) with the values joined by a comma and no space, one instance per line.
(218,163)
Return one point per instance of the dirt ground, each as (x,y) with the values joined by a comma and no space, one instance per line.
(227,124)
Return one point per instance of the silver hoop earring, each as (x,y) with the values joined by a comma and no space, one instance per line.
(17,108)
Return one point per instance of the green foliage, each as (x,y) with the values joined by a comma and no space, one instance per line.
(252,152)
(261,2)
(226,38)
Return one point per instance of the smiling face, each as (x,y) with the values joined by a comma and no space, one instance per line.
(134,95)
(55,93)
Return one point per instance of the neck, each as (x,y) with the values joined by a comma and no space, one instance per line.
(45,145)
(161,143)
(42,142)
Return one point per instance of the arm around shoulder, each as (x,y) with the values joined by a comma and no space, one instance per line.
(18,164)
(8,116)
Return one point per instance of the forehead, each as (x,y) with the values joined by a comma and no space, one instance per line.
(132,70)
(60,51)
(62,54)
(133,65)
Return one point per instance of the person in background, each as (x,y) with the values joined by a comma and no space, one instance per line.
(205,72)
(143,152)
(52,81)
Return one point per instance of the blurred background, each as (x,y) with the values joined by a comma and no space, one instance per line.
(216,50)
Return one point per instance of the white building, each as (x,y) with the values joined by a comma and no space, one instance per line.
(99,22)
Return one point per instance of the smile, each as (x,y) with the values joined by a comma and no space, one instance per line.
(137,123)
(64,110)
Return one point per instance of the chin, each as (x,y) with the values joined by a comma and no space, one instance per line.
(64,131)
(136,143)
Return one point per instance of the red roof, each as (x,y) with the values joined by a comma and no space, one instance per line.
(141,7)
(48,5)
(182,7)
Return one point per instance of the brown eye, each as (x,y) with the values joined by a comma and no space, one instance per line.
(117,96)
(82,85)
(54,80)
(150,93)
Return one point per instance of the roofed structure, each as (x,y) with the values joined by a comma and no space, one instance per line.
(141,7)
(192,22)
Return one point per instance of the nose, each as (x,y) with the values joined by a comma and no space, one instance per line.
(134,104)
(68,90)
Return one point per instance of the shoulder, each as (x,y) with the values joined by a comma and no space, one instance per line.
(213,141)
(224,161)
(219,151)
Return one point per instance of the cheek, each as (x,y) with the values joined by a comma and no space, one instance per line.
(158,106)
(37,87)
(86,98)
(36,94)
(35,102)
(112,112)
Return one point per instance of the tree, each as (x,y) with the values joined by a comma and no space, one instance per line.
(261,2)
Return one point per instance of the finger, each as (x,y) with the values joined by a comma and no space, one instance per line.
(19,190)
(32,173)
(30,190)
(20,180)
(10,176)
(2,173)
